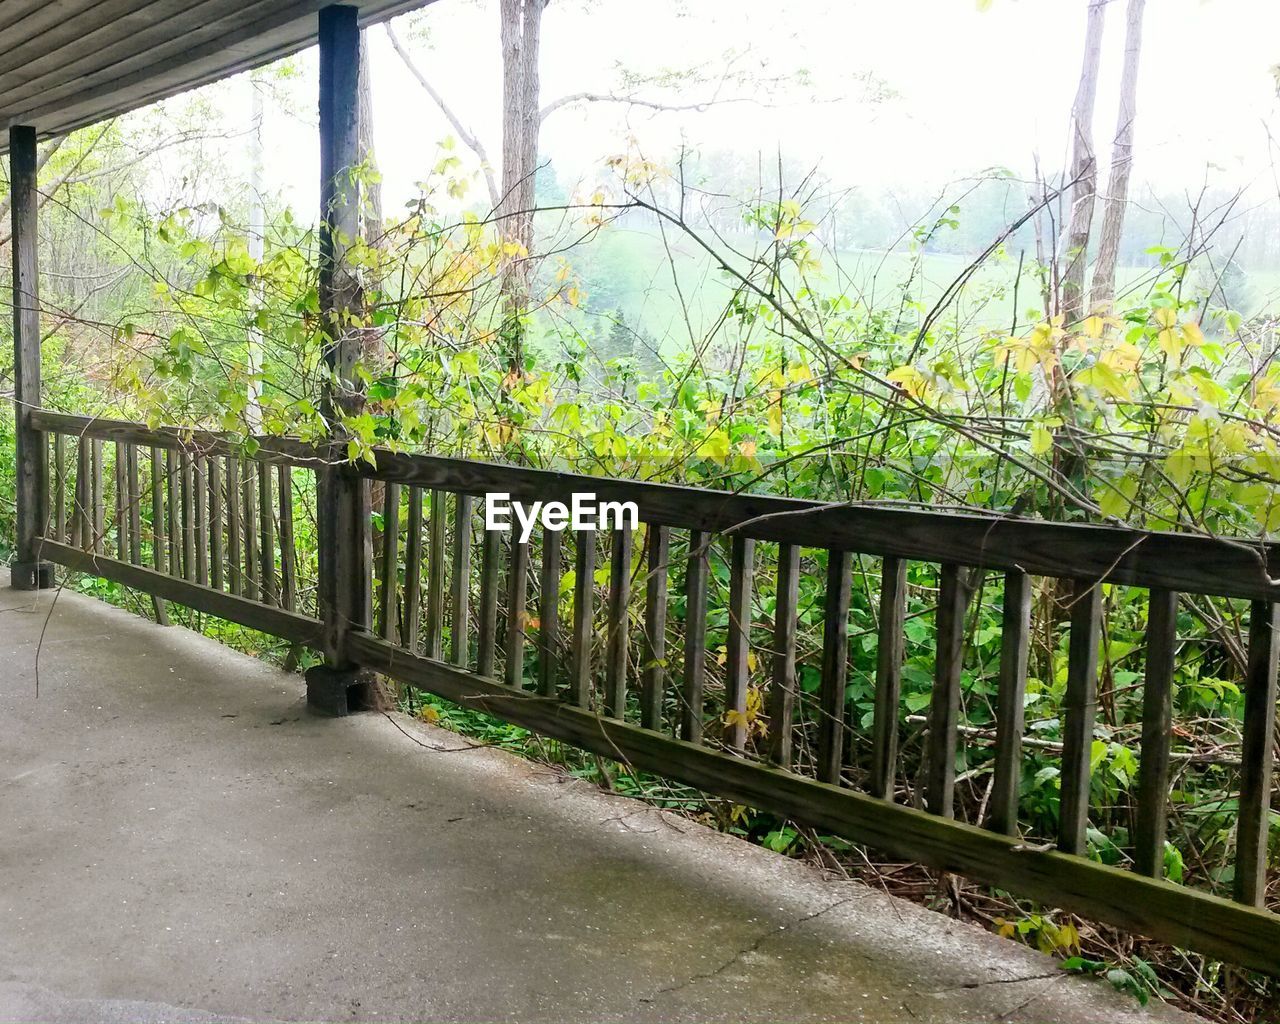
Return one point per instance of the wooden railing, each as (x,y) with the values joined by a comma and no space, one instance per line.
(187,517)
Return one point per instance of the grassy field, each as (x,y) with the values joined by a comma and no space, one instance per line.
(673,291)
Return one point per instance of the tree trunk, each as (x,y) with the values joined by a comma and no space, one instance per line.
(521,123)
(1084,167)
(1115,200)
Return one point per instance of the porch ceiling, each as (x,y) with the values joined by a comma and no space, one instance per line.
(68,63)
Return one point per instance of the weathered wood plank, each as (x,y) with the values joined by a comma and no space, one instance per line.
(889,656)
(487,619)
(389,571)
(944,704)
(653,653)
(782,694)
(460,579)
(200,525)
(738,640)
(1157,725)
(121,504)
(269,592)
(217,554)
(517,611)
(59,488)
(81,528)
(235,529)
(159,547)
(693,685)
(187,487)
(1079,709)
(549,613)
(1015,645)
(584,590)
(172,505)
(1256,754)
(288,625)
(835,666)
(412,570)
(288,548)
(435,576)
(618,639)
(133,499)
(31,463)
(97,501)
(249,509)
(1183,916)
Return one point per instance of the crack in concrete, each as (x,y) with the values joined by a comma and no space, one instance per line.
(748,949)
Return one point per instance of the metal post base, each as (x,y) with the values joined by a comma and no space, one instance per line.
(31,576)
(340,691)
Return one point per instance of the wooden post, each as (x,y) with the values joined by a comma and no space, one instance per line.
(28,572)
(345,538)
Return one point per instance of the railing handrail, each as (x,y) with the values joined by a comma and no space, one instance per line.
(1183,562)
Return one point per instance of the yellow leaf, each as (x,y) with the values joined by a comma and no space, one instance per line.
(1170,343)
(1041,440)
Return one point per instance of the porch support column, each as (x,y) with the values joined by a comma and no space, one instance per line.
(28,572)
(345,541)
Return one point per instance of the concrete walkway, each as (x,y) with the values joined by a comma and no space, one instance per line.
(183,841)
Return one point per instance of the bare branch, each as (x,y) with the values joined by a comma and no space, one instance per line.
(635,101)
(468,140)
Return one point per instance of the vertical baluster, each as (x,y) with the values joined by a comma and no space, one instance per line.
(1157,724)
(412,570)
(81,529)
(266,536)
(1079,709)
(695,641)
(460,582)
(584,590)
(517,611)
(159,549)
(249,510)
(133,493)
(60,489)
(390,569)
(944,705)
(1256,754)
(487,625)
(98,503)
(172,511)
(288,550)
(782,702)
(615,665)
(1015,645)
(738,644)
(835,665)
(235,527)
(549,612)
(435,577)
(188,520)
(200,520)
(889,655)
(653,671)
(213,473)
(121,504)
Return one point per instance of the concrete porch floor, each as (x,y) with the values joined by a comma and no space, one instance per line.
(183,841)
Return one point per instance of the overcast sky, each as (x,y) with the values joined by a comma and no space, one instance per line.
(966,88)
